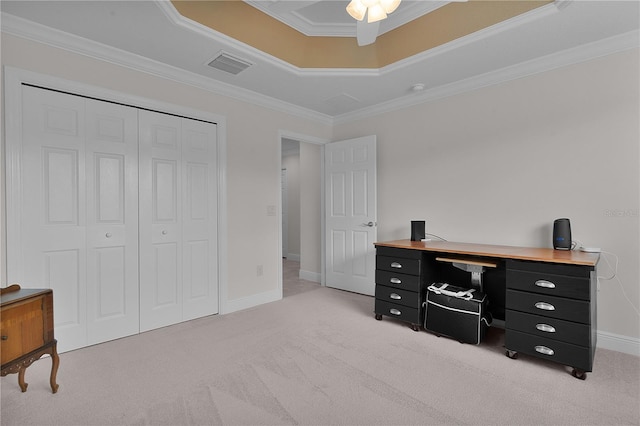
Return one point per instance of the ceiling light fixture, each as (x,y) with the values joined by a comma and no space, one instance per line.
(375,10)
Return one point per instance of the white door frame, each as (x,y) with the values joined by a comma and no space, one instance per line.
(284,187)
(13,79)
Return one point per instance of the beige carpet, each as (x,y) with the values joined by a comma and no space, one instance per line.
(317,357)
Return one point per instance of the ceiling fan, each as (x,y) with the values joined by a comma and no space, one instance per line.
(368,14)
(294,12)
(323,17)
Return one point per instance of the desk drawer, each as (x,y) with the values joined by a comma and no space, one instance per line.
(395,310)
(401,297)
(398,264)
(549,306)
(564,353)
(398,252)
(552,328)
(555,285)
(396,280)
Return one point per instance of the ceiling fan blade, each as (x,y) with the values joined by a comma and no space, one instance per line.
(367,33)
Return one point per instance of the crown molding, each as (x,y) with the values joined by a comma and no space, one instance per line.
(244,49)
(42,34)
(584,53)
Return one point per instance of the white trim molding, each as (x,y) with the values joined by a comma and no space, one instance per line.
(315,277)
(618,343)
(252,301)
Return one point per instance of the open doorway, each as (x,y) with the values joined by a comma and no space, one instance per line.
(301,215)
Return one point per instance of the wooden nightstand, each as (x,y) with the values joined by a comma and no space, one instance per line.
(26,330)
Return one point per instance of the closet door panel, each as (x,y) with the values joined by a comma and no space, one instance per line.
(52,220)
(159,220)
(112,221)
(199,219)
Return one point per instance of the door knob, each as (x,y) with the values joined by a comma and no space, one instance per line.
(164,232)
(369,224)
(108,235)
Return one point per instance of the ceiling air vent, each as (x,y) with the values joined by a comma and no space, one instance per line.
(228,63)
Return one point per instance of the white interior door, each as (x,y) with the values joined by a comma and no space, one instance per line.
(53,215)
(199,219)
(178,220)
(79,221)
(112,221)
(160,217)
(350,214)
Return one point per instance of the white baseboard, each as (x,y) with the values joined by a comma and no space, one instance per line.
(310,276)
(293,256)
(616,342)
(251,301)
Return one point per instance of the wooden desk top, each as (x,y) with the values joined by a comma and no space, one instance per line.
(572,257)
(14,293)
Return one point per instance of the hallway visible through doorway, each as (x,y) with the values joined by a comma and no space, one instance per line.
(292,284)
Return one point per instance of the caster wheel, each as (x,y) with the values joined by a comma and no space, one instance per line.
(415,327)
(511,354)
(579,374)
(379,317)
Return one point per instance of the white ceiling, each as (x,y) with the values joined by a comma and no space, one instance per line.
(151,35)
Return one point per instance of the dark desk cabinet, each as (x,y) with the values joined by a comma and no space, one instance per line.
(551,313)
(400,285)
(546,297)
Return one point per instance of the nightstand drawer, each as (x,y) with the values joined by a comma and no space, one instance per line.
(552,328)
(398,264)
(396,280)
(555,285)
(395,310)
(22,329)
(549,306)
(564,353)
(401,297)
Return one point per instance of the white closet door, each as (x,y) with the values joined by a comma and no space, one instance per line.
(178,220)
(53,207)
(199,219)
(80,213)
(160,218)
(112,221)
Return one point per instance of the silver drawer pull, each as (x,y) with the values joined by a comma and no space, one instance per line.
(545,284)
(546,328)
(396,265)
(544,350)
(545,306)
(395,296)
(395,280)
(394,312)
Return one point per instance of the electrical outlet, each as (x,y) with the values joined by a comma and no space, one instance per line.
(259,270)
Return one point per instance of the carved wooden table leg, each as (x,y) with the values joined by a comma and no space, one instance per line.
(23,385)
(55,362)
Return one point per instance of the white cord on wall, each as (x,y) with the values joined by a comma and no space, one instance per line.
(615,275)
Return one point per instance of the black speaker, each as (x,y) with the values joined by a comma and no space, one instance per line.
(417,230)
(562,234)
